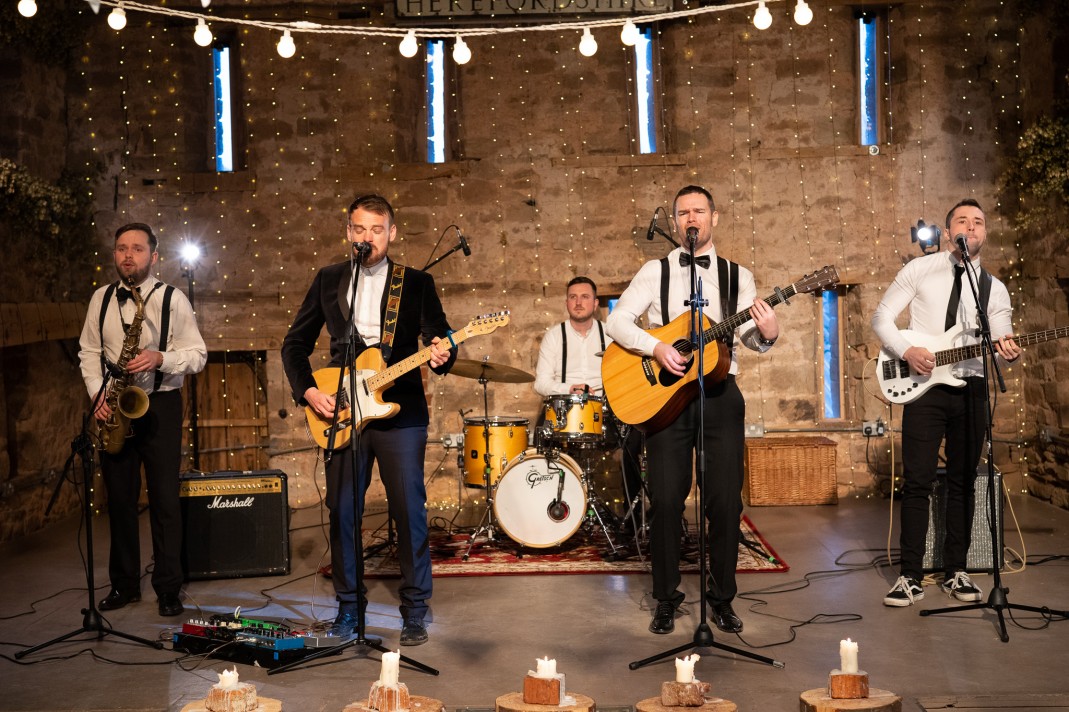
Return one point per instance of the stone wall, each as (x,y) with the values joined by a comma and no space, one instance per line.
(545,181)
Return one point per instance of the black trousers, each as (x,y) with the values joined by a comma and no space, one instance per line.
(670,454)
(156,444)
(958,416)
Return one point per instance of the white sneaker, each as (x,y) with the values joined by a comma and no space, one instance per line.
(961,587)
(905,592)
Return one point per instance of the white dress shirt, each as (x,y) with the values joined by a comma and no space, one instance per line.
(584,363)
(369,289)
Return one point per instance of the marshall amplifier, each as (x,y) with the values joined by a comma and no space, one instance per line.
(978,557)
(234,524)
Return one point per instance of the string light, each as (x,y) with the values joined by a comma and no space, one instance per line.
(117,18)
(629,34)
(461,51)
(588,46)
(202,35)
(286,47)
(762,18)
(27,8)
(803,15)
(409,45)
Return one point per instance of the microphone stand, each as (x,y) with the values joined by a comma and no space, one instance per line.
(92,621)
(997,600)
(431,264)
(703,634)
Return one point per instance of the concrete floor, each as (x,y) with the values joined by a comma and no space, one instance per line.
(487,631)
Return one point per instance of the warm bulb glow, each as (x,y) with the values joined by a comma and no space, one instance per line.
(27,8)
(205,3)
(802,14)
(629,34)
(762,18)
(461,51)
(202,35)
(409,45)
(117,19)
(588,45)
(286,48)
(190,253)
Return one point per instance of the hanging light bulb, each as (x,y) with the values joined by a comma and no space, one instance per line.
(205,3)
(762,18)
(629,34)
(802,14)
(461,51)
(202,35)
(409,45)
(286,48)
(27,8)
(588,45)
(117,18)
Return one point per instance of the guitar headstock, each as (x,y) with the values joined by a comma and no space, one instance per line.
(487,323)
(821,279)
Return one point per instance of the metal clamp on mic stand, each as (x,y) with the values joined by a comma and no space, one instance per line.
(462,244)
(997,600)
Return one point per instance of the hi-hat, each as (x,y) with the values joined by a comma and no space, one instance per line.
(500,373)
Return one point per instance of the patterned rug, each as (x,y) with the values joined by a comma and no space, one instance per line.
(585,552)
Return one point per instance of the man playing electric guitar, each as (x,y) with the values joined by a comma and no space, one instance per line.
(395,309)
(937,292)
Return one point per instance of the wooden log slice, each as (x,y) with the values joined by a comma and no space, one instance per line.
(513,702)
(653,704)
(878,701)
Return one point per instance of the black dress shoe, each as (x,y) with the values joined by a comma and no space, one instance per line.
(170,605)
(117,599)
(664,618)
(725,619)
(413,632)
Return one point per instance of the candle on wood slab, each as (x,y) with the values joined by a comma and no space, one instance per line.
(390,663)
(228,679)
(545,667)
(685,668)
(847,656)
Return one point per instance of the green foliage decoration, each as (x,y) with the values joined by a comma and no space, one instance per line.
(1038,173)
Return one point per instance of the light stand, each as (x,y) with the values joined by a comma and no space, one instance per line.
(997,600)
(703,634)
(190,253)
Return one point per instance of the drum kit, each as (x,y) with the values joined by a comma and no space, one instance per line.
(539,495)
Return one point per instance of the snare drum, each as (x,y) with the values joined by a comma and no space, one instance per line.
(575,419)
(508,438)
(526,505)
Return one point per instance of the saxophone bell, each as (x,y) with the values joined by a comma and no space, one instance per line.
(133,402)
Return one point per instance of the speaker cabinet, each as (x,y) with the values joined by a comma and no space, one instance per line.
(234,524)
(979,555)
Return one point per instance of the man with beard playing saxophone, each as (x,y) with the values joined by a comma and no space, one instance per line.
(168,347)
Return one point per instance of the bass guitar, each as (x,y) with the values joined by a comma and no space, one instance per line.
(899,384)
(372,377)
(642,394)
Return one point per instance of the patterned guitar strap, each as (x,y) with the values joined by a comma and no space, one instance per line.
(393,305)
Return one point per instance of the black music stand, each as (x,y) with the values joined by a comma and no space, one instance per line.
(92,621)
(703,634)
(997,600)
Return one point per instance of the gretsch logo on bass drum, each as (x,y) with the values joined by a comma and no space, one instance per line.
(536,477)
(235,503)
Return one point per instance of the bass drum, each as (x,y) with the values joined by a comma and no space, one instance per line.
(525,502)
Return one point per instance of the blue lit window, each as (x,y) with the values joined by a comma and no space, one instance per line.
(647,128)
(868,81)
(832,364)
(224,101)
(436,101)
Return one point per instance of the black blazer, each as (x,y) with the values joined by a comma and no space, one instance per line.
(419,319)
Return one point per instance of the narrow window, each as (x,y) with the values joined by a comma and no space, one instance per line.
(647,129)
(832,365)
(868,81)
(436,101)
(224,101)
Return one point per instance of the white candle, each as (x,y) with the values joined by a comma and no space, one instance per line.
(546,667)
(847,656)
(685,668)
(228,679)
(390,661)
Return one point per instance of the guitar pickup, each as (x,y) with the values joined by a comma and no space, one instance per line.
(342,425)
(647,368)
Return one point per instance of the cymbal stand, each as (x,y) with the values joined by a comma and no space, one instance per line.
(486,523)
(595,504)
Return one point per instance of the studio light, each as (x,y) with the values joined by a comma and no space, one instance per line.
(802,14)
(629,34)
(588,45)
(461,51)
(286,48)
(409,45)
(762,18)
(926,236)
(190,253)
(27,8)
(117,18)
(202,35)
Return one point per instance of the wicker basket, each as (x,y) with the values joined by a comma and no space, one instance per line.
(794,470)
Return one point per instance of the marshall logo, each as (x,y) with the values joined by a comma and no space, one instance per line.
(235,503)
(536,477)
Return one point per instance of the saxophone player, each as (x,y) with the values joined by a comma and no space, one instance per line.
(143,333)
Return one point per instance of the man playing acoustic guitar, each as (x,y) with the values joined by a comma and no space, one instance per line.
(395,309)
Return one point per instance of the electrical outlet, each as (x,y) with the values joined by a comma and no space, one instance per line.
(873,428)
(755,430)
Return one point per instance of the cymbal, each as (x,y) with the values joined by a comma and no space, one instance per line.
(500,373)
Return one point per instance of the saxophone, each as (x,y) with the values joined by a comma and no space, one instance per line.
(126,402)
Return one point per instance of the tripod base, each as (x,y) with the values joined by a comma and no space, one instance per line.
(997,602)
(703,638)
(92,622)
(360,640)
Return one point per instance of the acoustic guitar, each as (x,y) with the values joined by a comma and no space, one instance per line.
(642,394)
(373,376)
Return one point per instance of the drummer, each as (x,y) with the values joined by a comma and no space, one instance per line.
(569,363)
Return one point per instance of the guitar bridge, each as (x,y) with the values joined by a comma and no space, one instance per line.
(647,368)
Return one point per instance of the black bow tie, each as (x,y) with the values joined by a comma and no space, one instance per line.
(703,261)
(122,294)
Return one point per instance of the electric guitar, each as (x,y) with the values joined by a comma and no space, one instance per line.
(899,384)
(372,378)
(642,394)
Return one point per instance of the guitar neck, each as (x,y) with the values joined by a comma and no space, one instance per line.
(387,376)
(727,326)
(964,353)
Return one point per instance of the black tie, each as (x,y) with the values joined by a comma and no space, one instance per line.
(703,261)
(955,298)
(122,294)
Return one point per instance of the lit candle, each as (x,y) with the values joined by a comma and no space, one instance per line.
(228,679)
(847,656)
(390,661)
(546,667)
(685,668)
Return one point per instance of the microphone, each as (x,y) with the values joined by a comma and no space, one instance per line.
(653,227)
(692,235)
(558,510)
(962,244)
(362,249)
(464,243)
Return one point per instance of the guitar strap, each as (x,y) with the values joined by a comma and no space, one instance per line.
(727,274)
(985,288)
(393,305)
(564,348)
